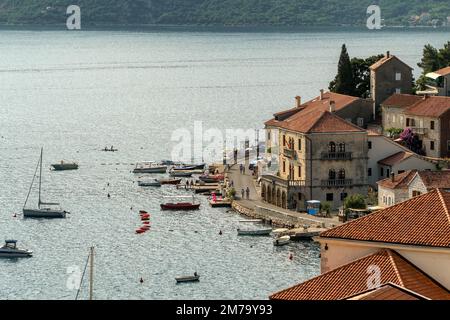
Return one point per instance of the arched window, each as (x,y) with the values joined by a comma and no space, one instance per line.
(332,174)
(332,147)
(341,175)
(341,147)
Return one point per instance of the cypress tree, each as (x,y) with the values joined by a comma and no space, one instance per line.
(344,82)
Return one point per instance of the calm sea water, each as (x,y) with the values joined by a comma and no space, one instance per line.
(75,92)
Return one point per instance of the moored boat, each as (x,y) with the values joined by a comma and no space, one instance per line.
(193,278)
(10,250)
(281,241)
(151,183)
(170,181)
(180,206)
(63,166)
(149,167)
(183,174)
(43,210)
(255,232)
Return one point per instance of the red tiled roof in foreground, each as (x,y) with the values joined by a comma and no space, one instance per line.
(353,278)
(396,158)
(400,181)
(420,221)
(401,100)
(390,292)
(315,121)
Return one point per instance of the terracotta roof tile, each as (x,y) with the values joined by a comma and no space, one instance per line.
(390,292)
(396,158)
(316,121)
(435,179)
(384,60)
(430,107)
(401,100)
(401,181)
(420,221)
(443,71)
(352,279)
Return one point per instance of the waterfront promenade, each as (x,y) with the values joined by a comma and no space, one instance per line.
(255,207)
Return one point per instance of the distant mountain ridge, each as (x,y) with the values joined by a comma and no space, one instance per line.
(227,12)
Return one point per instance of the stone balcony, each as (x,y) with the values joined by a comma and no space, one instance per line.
(336,156)
(337,183)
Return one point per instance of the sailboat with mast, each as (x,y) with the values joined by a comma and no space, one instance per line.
(43,210)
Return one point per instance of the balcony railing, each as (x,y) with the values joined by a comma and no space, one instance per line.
(418,130)
(289,153)
(336,156)
(297,183)
(337,183)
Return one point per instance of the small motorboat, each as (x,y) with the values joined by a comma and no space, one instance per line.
(149,167)
(10,250)
(140,231)
(112,149)
(190,167)
(151,183)
(281,241)
(255,232)
(184,206)
(63,166)
(194,278)
(211,178)
(146,227)
(170,181)
(183,174)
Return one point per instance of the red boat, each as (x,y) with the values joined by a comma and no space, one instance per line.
(139,231)
(145,228)
(180,206)
(146,222)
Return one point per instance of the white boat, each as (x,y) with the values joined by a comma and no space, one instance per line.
(10,250)
(281,241)
(44,210)
(149,167)
(151,183)
(193,278)
(254,232)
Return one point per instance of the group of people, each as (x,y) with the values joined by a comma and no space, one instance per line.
(242,169)
(246,193)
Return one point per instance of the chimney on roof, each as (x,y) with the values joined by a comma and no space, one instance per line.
(321,94)
(332,106)
(393,177)
(299,101)
(388,54)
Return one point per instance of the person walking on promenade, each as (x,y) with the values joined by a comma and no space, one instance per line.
(247,191)
(243,193)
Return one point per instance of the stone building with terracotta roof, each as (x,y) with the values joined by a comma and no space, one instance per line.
(319,155)
(427,117)
(388,76)
(409,184)
(401,252)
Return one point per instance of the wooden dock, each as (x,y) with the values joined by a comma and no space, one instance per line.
(220,203)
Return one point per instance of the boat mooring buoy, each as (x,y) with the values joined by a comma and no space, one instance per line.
(220,233)
(109,196)
(142,280)
(291,256)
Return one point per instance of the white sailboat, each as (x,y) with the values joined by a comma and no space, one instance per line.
(44,210)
